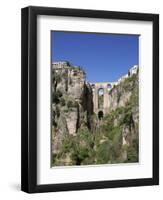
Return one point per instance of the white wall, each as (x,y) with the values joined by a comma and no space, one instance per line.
(10,99)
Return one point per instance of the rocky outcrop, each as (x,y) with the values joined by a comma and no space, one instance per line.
(124,103)
(121,93)
(71,104)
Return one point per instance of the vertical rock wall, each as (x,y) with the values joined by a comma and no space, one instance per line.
(72,103)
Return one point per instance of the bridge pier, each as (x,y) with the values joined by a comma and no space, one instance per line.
(106,87)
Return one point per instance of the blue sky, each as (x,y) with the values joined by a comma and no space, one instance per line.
(104,57)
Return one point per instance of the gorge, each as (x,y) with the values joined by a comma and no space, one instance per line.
(94,123)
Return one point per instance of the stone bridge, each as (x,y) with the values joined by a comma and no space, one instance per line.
(101,97)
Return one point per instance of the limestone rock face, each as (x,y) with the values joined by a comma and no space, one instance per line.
(125,98)
(71,104)
(71,121)
(120,95)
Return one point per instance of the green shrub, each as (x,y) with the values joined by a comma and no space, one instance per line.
(67,144)
(114,132)
(75,104)
(56,96)
(57,111)
(62,101)
(103,153)
(53,158)
(132,154)
(118,96)
(65,75)
(55,99)
(69,104)
(58,93)
(127,117)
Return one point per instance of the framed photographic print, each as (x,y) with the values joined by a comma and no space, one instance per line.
(90,99)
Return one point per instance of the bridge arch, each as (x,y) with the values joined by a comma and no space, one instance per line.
(109,86)
(100,114)
(100,97)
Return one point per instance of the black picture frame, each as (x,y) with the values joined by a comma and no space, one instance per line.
(29,99)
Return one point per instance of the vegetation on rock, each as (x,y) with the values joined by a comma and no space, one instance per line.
(112,139)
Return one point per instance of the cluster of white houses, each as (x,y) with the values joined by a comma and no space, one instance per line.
(131,71)
(60,65)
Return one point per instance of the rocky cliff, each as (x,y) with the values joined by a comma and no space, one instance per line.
(124,111)
(71,103)
(123,92)
(79,137)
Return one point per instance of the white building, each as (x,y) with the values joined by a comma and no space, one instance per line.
(60,64)
(133,70)
(122,78)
